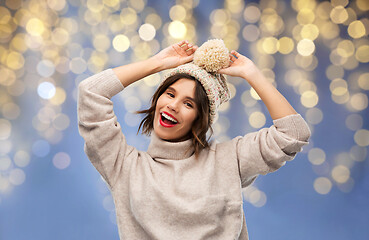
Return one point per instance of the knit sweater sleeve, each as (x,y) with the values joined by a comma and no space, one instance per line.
(105,145)
(268,149)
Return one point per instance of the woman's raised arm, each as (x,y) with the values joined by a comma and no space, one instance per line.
(276,103)
(170,57)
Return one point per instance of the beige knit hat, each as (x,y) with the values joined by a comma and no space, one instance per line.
(208,59)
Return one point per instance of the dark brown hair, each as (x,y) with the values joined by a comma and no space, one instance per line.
(200,126)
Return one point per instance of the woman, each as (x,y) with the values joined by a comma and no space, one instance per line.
(184,187)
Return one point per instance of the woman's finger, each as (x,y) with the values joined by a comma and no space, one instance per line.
(191,49)
(235,53)
(186,46)
(181,43)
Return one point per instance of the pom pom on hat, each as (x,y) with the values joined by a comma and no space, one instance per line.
(212,55)
(208,59)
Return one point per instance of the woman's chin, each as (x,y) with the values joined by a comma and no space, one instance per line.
(170,137)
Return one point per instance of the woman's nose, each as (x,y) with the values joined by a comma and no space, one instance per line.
(173,106)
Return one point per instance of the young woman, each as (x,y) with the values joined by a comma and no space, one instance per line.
(184,187)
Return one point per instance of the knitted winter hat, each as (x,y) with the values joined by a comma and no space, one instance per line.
(208,59)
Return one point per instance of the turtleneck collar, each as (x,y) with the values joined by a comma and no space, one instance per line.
(159,148)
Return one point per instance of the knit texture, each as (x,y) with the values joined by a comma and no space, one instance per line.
(165,193)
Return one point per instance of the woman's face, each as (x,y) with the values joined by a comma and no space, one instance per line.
(176,111)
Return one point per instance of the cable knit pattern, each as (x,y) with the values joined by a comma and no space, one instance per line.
(165,193)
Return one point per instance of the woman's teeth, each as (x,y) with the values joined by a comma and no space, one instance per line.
(168,117)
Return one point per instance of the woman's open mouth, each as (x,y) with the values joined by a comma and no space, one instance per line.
(166,120)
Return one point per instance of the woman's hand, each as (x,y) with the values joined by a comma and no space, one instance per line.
(175,55)
(240,66)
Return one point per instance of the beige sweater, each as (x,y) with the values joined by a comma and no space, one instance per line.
(165,193)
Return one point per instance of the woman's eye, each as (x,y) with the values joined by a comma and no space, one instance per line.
(171,95)
(189,104)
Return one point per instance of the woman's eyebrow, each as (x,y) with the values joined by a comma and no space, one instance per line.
(190,98)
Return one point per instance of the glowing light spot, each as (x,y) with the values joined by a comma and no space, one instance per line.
(21,158)
(108,203)
(121,43)
(363,5)
(61,122)
(247,100)
(359,101)
(361,137)
(4,184)
(358,153)
(309,99)
(362,53)
(101,42)
(316,156)
(309,31)
(346,48)
(147,32)
(354,122)
(363,81)
(232,89)
(257,119)
(11,110)
(5,146)
(56,5)
(15,60)
(340,173)
(177,29)
(224,107)
(17,176)
(339,15)
(251,14)
(305,47)
(250,33)
(356,29)
(61,160)
(128,16)
(270,45)
(95,5)
(338,87)
(5,15)
(322,185)
(41,148)
(257,198)
(139,5)
(154,19)
(219,17)
(314,115)
(341,99)
(5,129)
(329,30)
(78,65)
(305,16)
(60,36)
(342,3)
(254,94)
(18,43)
(347,186)
(45,68)
(46,90)
(5,163)
(35,27)
(177,12)
(59,96)
(285,45)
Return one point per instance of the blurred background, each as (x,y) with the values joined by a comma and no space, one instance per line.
(315,52)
